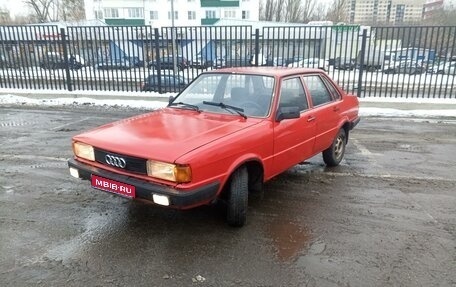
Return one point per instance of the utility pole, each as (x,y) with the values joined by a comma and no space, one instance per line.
(173,39)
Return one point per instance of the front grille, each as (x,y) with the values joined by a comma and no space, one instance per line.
(133,164)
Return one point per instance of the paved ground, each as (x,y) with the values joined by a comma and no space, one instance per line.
(385,217)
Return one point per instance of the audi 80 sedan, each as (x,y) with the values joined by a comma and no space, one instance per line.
(228,132)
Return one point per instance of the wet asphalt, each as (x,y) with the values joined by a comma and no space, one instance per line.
(385,217)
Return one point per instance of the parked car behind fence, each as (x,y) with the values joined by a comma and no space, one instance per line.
(167,63)
(168,83)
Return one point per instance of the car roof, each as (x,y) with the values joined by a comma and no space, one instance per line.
(267,71)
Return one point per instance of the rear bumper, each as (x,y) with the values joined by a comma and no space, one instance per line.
(145,190)
(354,123)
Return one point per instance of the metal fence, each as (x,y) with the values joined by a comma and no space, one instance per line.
(369,61)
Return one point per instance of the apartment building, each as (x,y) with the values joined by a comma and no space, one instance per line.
(431,7)
(159,13)
(385,11)
(449,4)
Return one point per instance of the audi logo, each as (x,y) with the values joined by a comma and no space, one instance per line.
(115,161)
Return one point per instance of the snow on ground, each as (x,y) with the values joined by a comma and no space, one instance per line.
(427,107)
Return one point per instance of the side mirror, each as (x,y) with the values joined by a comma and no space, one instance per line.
(285,113)
(170,99)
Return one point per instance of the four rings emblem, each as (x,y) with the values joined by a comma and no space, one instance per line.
(115,161)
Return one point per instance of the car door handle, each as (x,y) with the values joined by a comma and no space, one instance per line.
(336,108)
(311,118)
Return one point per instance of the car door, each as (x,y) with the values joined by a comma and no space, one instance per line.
(325,110)
(293,138)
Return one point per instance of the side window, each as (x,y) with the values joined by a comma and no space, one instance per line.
(318,91)
(334,92)
(292,94)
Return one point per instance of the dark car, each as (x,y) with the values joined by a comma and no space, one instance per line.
(236,61)
(167,63)
(4,63)
(55,61)
(168,83)
(135,61)
(114,65)
(292,60)
(344,64)
(404,67)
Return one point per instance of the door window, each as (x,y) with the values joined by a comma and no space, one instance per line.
(292,94)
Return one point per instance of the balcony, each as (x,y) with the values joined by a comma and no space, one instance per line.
(219,3)
(209,21)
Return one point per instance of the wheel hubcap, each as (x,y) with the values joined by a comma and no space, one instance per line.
(339,147)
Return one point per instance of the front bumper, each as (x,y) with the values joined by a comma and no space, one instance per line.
(146,190)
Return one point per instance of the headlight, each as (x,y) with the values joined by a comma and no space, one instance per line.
(169,171)
(84,151)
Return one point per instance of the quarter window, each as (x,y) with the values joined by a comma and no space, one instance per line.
(334,92)
(318,91)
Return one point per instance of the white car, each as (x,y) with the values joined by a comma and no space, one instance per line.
(316,63)
(444,68)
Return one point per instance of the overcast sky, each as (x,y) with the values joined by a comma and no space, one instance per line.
(16,7)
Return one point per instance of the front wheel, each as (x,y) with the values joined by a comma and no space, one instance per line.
(334,154)
(238,198)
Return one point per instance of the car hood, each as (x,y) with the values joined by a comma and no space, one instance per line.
(165,134)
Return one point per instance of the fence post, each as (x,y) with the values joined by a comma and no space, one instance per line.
(361,62)
(257,45)
(67,62)
(157,59)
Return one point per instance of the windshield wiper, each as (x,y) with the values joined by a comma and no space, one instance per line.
(239,111)
(189,106)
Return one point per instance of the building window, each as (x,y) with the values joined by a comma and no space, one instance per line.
(135,13)
(111,13)
(400,13)
(153,15)
(191,15)
(210,14)
(230,14)
(245,14)
(98,14)
(176,15)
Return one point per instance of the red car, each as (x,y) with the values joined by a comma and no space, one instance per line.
(226,134)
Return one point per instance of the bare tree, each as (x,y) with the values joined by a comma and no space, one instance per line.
(54,10)
(4,16)
(279,10)
(71,10)
(42,9)
(293,11)
(308,10)
(296,11)
(268,12)
(319,13)
(338,11)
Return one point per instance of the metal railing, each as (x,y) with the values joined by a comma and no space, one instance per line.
(418,61)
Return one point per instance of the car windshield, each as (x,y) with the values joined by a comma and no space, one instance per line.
(249,94)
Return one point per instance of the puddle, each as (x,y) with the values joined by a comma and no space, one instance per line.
(289,239)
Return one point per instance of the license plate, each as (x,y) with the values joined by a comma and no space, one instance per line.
(113,186)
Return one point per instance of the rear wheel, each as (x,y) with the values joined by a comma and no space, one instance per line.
(335,153)
(238,198)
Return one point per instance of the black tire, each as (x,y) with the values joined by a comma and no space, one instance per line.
(335,153)
(238,198)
